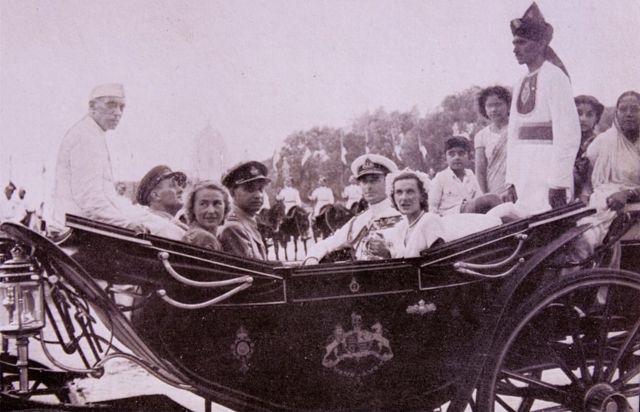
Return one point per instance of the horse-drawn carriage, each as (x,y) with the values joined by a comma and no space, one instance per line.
(498,320)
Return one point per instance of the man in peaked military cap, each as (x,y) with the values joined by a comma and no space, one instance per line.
(161,190)
(84,184)
(365,231)
(544,130)
(239,235)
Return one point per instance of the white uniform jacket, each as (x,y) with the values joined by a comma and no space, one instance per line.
(378,220)
(291,197)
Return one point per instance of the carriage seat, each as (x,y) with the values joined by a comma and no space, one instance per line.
(463,224)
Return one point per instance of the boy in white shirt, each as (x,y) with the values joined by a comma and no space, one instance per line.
(456,189)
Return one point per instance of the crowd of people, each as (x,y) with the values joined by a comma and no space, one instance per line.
(538,152)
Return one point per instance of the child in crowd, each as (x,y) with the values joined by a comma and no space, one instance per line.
(456,189)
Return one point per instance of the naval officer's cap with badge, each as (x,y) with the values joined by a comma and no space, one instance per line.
(372,164)
(245,173)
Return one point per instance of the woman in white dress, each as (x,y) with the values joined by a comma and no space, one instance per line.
(419,229)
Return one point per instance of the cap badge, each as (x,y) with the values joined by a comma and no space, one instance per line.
(368,164)
(254,171)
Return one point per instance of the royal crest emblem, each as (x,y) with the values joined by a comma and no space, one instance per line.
(242,348)
(357,352)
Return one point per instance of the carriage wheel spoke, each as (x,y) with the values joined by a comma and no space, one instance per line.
(623,349)
(504,404)
(602,336)
(584,370)
(631,390)
(628,375)
(564,367)
(537,384)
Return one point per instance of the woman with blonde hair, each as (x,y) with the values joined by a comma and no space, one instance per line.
(206,207)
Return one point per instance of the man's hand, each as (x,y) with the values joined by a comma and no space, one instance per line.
(557,198)
(378,247)
(138,227)
(618,200)
(510,195)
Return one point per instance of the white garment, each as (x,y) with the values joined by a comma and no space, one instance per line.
(496,158)
(409,240)
(84,185)
(291,197)
(542,144)
(447,192)
(322,196)
(378,220)
(9,209)
(353,194)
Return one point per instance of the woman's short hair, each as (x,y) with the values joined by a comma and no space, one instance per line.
(590,100)
(501,92)
(422,187)
(189,205)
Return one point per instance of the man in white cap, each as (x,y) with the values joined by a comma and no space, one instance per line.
(84,184)
(368,228)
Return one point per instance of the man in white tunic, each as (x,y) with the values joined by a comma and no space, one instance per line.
(544,130)
(375,222)
(289,195)
(84,184)
(322,196)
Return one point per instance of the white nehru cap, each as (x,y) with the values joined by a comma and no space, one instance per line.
(107,90)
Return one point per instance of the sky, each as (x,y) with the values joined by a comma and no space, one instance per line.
(257,71)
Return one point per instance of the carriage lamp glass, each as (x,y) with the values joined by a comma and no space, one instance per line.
(21,295)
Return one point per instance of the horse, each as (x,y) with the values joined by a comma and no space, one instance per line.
(333,217)
(269,223)
(295,224)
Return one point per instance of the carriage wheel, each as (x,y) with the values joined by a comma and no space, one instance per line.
(574,345)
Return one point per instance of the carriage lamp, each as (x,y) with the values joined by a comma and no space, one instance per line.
(21,295)
(21,307)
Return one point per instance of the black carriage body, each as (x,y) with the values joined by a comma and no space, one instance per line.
(398,334)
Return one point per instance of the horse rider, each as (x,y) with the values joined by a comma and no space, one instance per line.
(364,231)
(322,196)
(289,195)
(239,235)
(352,193)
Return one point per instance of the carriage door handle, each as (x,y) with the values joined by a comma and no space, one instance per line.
(471,268)
(244,281)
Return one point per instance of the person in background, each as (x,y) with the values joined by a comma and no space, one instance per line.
(491,142)
(206,207)
(8,204)
(614,158)
(455,189)
(240,235)
(352,193)
(161,191)
(289,195)
(543,131)
(375,222)
(589,112)
(322,196)
(84,184)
